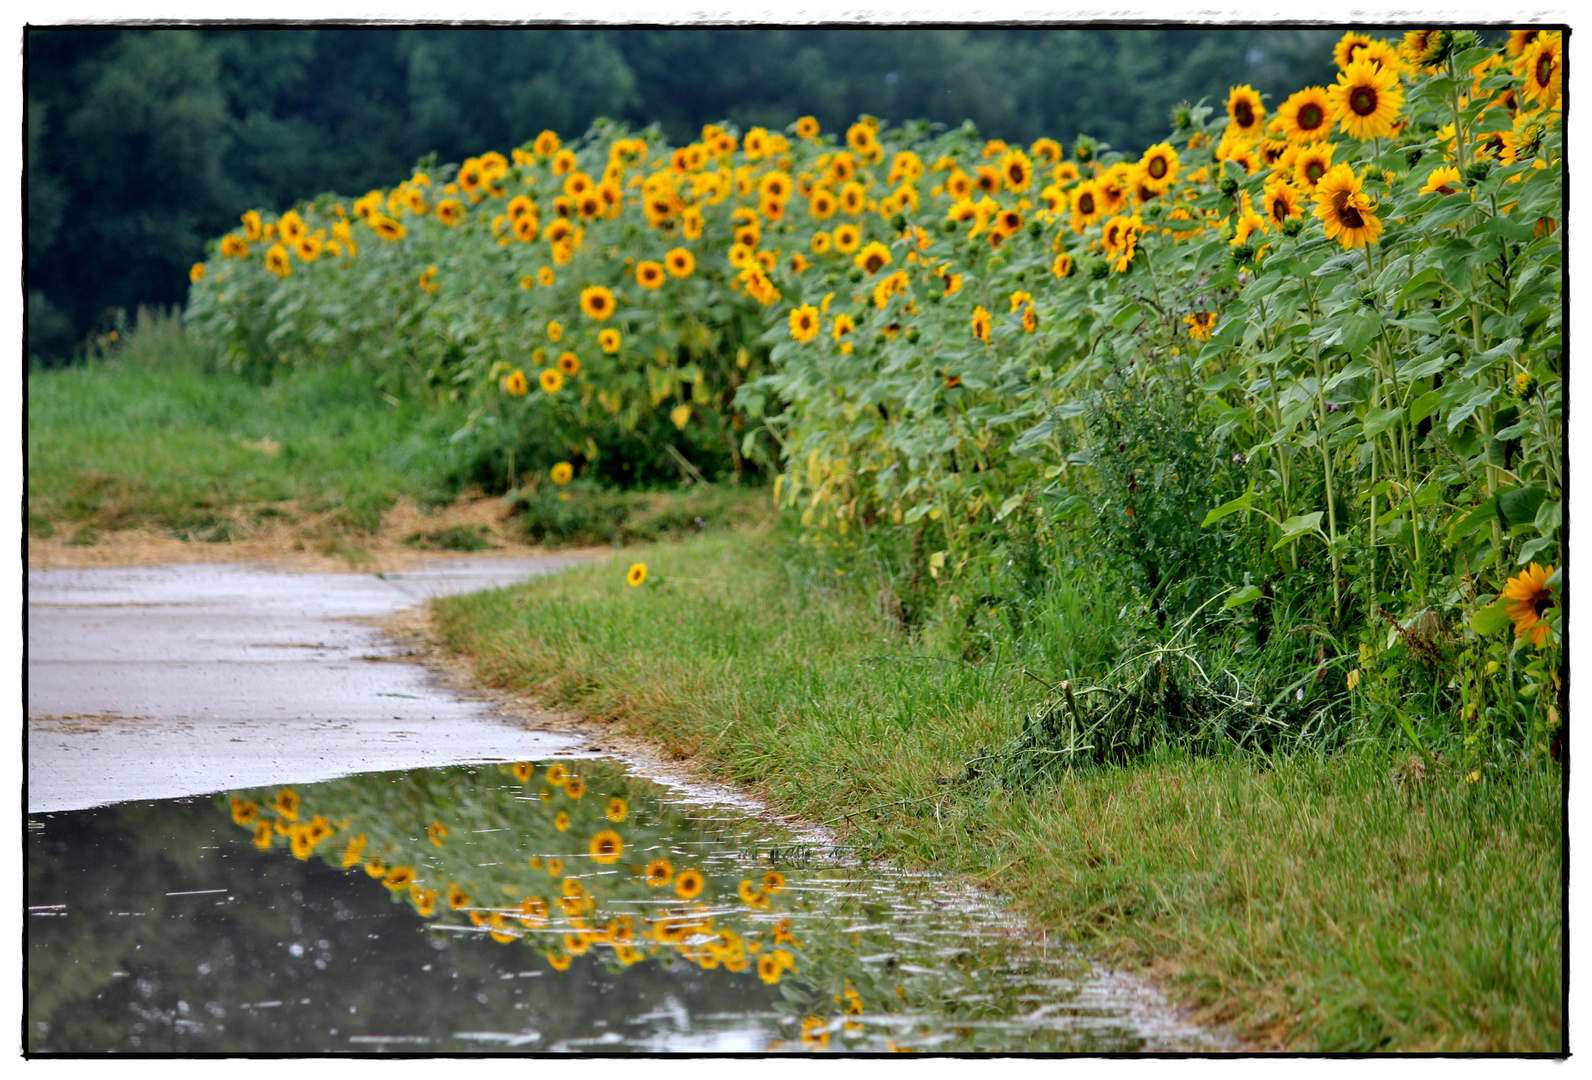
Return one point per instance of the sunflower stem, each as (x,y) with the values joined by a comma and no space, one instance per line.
(1326,463)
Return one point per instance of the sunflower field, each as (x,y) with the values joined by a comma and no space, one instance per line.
(1287,385)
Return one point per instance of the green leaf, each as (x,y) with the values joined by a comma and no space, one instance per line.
(1243,502)
(1479,398)
(1242,596)
(1359,330)
(1297,526)
(1425,406)
(1379,420)
(1519,505)
(1422,322)
(1490,619)
(1474,520)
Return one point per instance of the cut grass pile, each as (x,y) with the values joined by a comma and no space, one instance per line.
(1350,902)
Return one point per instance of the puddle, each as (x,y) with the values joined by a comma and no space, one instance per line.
(563,906)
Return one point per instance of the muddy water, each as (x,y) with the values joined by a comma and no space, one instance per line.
(563,906)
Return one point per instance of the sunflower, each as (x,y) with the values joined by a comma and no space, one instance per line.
(1046,152)
(355,851)
(981,323)
(564,162)
(515,383)
(1017,170)
(262,835)
(1030,319)
(1086,205)
(1365,100)
(820,242)
(1543,61)
(551,380)
(252,228)
(873,258)
(1530,597)
(959,185)
(597,302)
(1347,50)
(1158,167)
(233,247)
(1200,325)
(527,229)
(1282,202)
(649,275)
(398,878)
(387,228)
(637,574)
(807,128)
(523,771)
(1383,54)
(545,276)
(1065,173)
(987,179)
(804,323)
(562,473)
(428,279)
(276,261)
(569,364)
(607,846)
(1306,115)
(292,227)
(1422,48)
(1345,210)
(659,873)
(688,885)
(862,139)
(843,325)
(853,198)
(769,968)
(847,238)
(196,272)
(425,901)
(561,820)
(1112,187)
(1312,163)
(438,832)
(1062,266)
(892,285)
(1246,115)
(1249,223)
(1444,181)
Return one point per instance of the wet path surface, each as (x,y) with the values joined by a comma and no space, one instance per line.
(553,906)
(146,682)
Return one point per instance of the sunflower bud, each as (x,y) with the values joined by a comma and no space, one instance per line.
(912,335)
(1182,118)
(1464,39)
(1476,172)
(1035,228)
(948,226)
(1084,149)
(1293,226)
(898,221)
(855,275)
(1098,269)
(935,297)
(1243,253)
(1525,385)
(1228,187)
(1412,157)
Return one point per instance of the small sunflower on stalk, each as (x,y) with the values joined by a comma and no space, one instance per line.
(981,323)
(1366,100)
(597,302)
(551,381)
(804,323)
(637,575)
(1307,115)
(1158,168)
(609,340)
(1345,210)
(1200,325)
(1542,64)
(560,474)
(1246,116)
(1530,597)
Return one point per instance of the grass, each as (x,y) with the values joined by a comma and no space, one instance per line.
(151,435)
(1337,903)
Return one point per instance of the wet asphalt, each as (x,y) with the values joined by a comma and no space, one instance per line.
(168,681)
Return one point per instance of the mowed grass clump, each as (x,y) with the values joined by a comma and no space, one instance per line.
(1352,902)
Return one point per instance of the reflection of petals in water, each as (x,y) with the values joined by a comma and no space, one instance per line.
(425,901)
(523,771)
(399,878)
(659,873)
(617,809)
(607,846)
(438,833)
(457,897)
(355,851)
(561,822)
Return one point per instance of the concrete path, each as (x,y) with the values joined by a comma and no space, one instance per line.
(164,681)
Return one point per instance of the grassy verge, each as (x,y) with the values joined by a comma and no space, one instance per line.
(1351,902)
(150,434)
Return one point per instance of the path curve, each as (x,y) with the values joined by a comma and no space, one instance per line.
(167,681)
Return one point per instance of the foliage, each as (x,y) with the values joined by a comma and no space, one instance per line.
(222,117)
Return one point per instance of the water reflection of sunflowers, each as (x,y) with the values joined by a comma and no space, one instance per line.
(405,846)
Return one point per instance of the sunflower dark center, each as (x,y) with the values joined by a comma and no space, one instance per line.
(1279,209)
(1243,114)
(1542,603)
(1363,101)
(1544,68)
(1315,170)
(1310,116)
(1158,167)
(1351,217)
